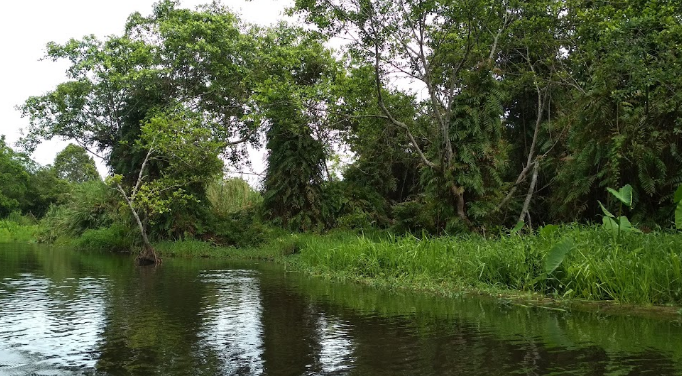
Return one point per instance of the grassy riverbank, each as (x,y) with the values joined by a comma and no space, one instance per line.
(13,231)
(640,269)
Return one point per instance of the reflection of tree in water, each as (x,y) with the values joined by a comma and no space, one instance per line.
(184,318)
(289,330)
(152,324)
(408,334)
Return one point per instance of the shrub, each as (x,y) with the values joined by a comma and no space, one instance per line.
(115,238)
(90,205)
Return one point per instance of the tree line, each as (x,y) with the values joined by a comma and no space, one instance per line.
(459,116)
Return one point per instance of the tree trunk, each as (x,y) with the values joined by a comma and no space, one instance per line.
(529,195)
(147,255)
(458,195)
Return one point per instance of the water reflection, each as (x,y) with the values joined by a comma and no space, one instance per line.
(336,346)
(66,313)
(57,324)
(231,324)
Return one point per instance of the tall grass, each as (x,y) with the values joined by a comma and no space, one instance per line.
(642,269)
(228,196)
(89,206)
(17,228)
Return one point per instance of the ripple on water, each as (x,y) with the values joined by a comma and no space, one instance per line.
(231,327)
(56,324)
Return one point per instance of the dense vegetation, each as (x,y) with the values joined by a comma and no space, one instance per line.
(460,118)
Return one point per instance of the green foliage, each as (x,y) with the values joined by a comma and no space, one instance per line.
(146,91)
(232,195)
(17,228)
(75,165)
(25,186)
(589,92)
(677,199)
(455,132)
(293,183)
(646,269)
(117,237)
(88,206)
(624,115)
(240,229)
(624,195)
(301,74)
(618,224)
(413,217)
(557,255)
(45,189)
(14,179)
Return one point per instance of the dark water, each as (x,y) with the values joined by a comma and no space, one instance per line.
(64,313)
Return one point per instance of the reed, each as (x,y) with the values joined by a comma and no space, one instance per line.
(231,196)
(11,232)
(640,269)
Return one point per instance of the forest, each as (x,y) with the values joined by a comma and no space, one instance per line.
(518,132)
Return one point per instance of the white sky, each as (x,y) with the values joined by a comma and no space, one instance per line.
(27,25)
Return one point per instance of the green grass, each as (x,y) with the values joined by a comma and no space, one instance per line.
(11,231)
(640,269)
(18,228)
(644,269)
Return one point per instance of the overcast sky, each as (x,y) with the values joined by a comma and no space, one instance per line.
(27,25)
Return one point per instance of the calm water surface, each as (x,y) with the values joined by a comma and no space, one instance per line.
(69,313)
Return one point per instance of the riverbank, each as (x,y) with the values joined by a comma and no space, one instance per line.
(14,232)
(638,269)
(643,270)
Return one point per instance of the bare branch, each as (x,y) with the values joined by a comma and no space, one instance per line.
(531,189)
(140,176)
(389,116)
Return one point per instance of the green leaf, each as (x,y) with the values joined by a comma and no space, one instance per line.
(678,195)
(517,228)
(624,194)
(625,225)
(548,230)
(678,215)
(557,254)
(610,224)
(606,212)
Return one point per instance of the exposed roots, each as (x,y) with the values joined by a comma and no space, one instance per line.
(148,256)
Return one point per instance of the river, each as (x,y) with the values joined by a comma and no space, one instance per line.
(77,313)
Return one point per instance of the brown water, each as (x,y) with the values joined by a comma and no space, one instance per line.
(65,313)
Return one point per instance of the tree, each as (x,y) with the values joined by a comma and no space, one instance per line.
(14,180)
(451,48)
(75,165)
(384,172)
(45,188)
(625,108)
(119,84)
(533,65)
(294,97)
(189,151)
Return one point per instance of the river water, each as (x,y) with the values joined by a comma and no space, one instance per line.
(71,313)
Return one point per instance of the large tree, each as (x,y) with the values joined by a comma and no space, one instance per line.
(75,165)
(625,107)
(451,49)
(197,63)
(14,179)
(295,97)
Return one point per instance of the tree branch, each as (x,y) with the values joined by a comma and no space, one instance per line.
(389,116)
